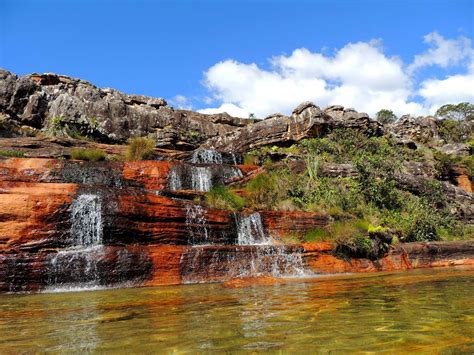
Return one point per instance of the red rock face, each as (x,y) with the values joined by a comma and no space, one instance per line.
(286,224)
(462,180)
(150,237)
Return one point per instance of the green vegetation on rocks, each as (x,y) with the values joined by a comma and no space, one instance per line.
(11,153)
(88,154)
(364,203)
(140,148)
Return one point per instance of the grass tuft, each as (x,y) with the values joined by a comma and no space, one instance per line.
(140,148)
(88,154)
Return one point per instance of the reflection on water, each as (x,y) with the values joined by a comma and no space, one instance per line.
(418,311)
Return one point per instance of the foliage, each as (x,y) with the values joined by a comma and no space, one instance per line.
(82,129)
(11,153)
(376,181)
(369,204)
(317,235)
(461,111)
(264,192)
(423,226)
(140,148)
(386,116)
(88,154)
(454,131)
(444,165)
(376,229)
(222,198)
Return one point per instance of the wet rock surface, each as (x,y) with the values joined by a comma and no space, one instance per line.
(142,237)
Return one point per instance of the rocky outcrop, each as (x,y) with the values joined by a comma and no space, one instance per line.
(307,121)
(60,105)
(420,130)
(458,150)
(402,257)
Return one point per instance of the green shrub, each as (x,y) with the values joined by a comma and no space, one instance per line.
(386,116)
(88,154)
(11,153)
(358,246)
(140,148)
(376,181)
(264,192)
(423,227)
(444,165)
(222,198)
(375,229)
(317,235)
(453,131)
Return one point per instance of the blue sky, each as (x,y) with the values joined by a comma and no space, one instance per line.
(240,55)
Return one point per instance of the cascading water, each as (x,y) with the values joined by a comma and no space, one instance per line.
(206,168)
(77,267)
(254,255)
(174,180)
(197,225)
(276,260)
(250,230)
(201,178)
(206,156)
(86,217)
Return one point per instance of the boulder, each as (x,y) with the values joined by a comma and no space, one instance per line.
(421,129)
(458,150)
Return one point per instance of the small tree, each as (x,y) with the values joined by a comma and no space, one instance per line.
(459,112)
(251,116)
(386,116)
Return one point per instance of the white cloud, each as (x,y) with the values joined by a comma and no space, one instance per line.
(231,109)
(443,52)
(453,89)
(181,102)
(358,75)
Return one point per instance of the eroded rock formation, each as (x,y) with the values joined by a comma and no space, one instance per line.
(307,120)
(55,102)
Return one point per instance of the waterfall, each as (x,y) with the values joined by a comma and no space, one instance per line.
(201,178)
(77,267)
(206,156)
(174,180)
(86,217)
(250,230)
(197,225)
(209,156)
(267,258)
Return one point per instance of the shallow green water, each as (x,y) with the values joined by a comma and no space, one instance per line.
(427,311)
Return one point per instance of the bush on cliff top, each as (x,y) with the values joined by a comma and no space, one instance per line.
(140,148)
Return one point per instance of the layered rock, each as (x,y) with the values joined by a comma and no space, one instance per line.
(420,130)
(56,102)
(306,121)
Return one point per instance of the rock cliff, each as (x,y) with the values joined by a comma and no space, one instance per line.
(66,222)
